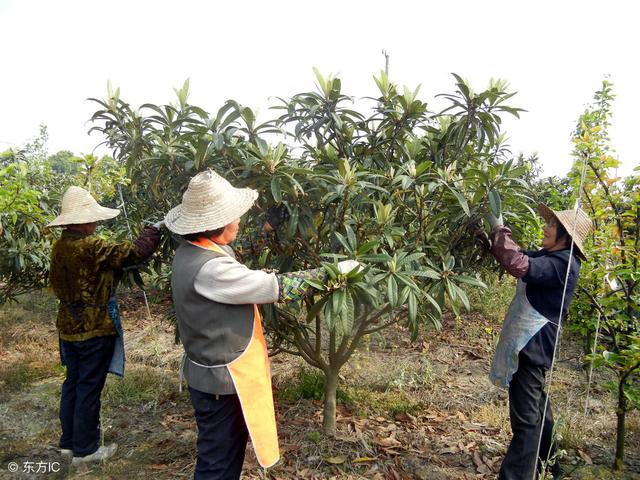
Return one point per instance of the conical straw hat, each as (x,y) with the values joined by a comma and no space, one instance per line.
(583,224)
(78,206)
(210,202)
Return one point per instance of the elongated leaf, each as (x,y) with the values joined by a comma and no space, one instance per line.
(462,201)
(426,272)
(377,258)
(352,238)
(329,318)
(495,204)
(337,300)
(364,248)
(470,280)
(343,241)
(292,224)
(348,314)
(315,284)
(413,307)
(404,295)
(315,308)
(410,258)
(433,302)
(392,291)
(463,297)
(275,190)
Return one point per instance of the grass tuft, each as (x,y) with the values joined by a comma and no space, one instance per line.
(308,384)
(141,384)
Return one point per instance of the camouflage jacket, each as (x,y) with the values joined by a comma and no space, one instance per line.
(85,271)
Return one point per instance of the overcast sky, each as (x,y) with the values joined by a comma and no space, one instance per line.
(55,54)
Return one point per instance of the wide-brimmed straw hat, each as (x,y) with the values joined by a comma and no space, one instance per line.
(78,206)
(210,202)
(583,224)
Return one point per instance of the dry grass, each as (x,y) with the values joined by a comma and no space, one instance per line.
(493,416)
(431,396)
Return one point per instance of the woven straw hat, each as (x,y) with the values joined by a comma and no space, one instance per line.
(210,202)
(583,224)
(78,206)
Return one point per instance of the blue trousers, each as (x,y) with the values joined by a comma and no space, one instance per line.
(222,436)
(87,364)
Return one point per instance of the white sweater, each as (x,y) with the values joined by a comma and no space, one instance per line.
(225,280)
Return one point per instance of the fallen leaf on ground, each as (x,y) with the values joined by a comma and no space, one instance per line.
(388,442)
(338,460)
(584,456)
(449,450)
(364,459)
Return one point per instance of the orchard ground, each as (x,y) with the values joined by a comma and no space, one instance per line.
(407,410)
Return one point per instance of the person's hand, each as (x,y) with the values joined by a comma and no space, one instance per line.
(495,222)
(347,266)
(477,228)
(483,239)
(158,225)
(276,215)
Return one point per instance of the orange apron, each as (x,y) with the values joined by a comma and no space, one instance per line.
(251,377)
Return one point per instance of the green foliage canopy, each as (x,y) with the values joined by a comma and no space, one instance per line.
(395,187)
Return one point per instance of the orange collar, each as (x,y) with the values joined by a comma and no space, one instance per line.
(208,244)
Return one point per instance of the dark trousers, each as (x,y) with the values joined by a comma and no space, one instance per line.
(526,405)
(87,363)
(222,436)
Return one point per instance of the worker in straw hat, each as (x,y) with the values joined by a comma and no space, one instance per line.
(226,365)
(528,337)
(84,274)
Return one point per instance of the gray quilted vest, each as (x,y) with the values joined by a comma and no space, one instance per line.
(212,333)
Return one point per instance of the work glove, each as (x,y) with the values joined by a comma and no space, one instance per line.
(276,215)
(495,222)
(347,266)
(158,225)
(480,234)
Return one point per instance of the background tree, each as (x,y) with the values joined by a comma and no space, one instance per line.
(63,162)
(609,289)
(32,186)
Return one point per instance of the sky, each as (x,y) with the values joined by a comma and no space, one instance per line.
(56,54)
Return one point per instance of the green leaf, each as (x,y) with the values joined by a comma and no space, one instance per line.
(426,272)
(377,258)
(392,291)
(470,280)
(343,241)
(263,147)
(495,204)
(410,258)
(433,302)
(337,299)
(364,248)
(463,296)
(348,314)
(315,284)
(315,308)
(413,307)
(462,201)
(352,237)
(292,224)
(329,318)
(276,192)
(321,81)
